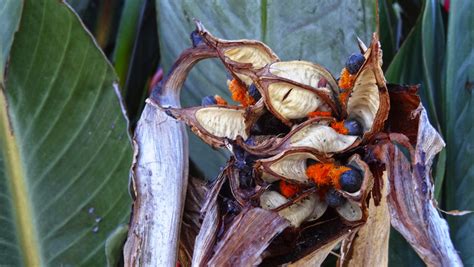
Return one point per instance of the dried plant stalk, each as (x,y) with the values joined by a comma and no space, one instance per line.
(159,173)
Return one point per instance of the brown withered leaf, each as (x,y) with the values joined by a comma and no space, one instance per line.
(317,257)
(191,223)
(403,116)
(410,201)
(249,235)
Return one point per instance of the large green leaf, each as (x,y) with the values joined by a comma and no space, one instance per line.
(65,150)
(320,31)
(459,104)
(10,13)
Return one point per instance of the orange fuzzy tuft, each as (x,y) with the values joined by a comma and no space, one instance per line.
(220,101)
(319,114)
(343,96)
(240,94)
(338,126)
(289,190)
(346,81)
(326,174)
(319,173)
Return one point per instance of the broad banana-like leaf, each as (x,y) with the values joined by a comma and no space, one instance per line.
(459,98)
(65,153)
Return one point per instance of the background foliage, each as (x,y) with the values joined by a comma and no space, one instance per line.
(71,138)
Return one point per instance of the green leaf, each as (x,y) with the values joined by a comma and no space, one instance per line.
(10,13)
(126,37)
(459,104)
(114,245)
(400,253)
(320,31)
(65,153)
(389,29)
(419,59)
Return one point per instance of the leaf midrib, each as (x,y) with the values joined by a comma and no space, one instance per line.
(28,235)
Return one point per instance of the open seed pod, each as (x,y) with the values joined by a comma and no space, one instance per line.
(216,124)
(355,208)
(293,89)
(290,165)
(315,134)
(309,208)
(241,57)
(368,101)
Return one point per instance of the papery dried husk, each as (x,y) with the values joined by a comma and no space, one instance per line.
(317,257)
(215,124)
(308,244)
(410,201)
(241,57)
(239,245)
(292,89)
(289,165)
(310,207)
(242,196)
(314,135)
(207,236)
(368,102)
(195,195)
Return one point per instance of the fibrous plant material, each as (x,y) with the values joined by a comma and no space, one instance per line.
(311,164)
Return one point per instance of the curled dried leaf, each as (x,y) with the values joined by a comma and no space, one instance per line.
(243,58)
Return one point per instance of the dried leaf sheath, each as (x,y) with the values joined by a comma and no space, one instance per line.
(410,200)
(159,173)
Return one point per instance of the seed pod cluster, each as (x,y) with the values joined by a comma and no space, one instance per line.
(296,135)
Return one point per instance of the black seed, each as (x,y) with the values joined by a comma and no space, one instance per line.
(254,93)
(353,127)
(310,162)
(354,62)
(267,124)
(196,38)
(208,100)
(334,199)
(351,180)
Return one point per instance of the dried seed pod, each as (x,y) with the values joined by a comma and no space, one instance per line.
(292,89)
(350,211)
(320,208)
(315,135)
(297,213)
(243,58)
(354,210)
(368,102)
(290,165)
(215,124)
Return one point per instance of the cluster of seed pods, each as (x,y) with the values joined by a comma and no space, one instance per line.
(296,132)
